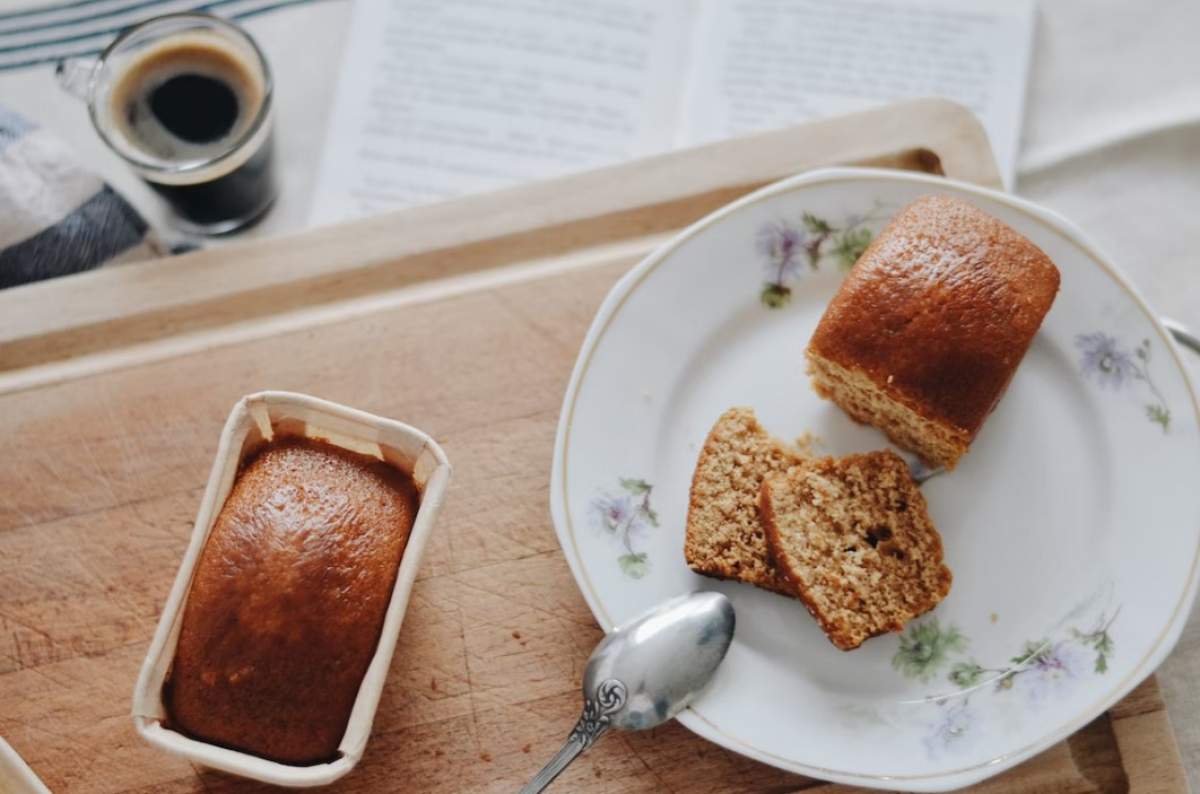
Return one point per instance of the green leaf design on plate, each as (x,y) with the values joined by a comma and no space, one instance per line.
(634,565)
(815,225)
(775,296)
(925,648)
(966,674)
(850,245)
(650,514)
(1032,652)
(1160,415)
(1044,664)
(1100,641)
(635,486)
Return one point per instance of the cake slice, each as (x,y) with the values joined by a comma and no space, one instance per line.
(929,326)
(724,537)
(852,537)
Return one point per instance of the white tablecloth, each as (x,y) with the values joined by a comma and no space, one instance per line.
(1111,140)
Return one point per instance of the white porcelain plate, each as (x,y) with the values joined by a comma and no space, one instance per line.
(1072,526)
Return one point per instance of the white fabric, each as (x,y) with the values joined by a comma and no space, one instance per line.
(1111,140)
(42,182)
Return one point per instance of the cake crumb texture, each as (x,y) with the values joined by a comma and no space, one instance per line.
(724,536)
(853,537)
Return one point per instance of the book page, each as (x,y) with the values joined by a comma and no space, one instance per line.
(443,97)
(763,64)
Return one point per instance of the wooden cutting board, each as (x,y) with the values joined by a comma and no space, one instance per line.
(462,319)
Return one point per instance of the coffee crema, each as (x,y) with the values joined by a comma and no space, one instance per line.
(184,106)
(185,98)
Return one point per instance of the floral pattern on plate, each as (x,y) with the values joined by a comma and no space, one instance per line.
(626,514)
(1041,670)
(786,248)
(690,327)
(1105,361)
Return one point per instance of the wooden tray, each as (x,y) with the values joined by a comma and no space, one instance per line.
(465,320)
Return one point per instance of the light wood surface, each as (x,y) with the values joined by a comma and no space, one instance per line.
(102,462)
(51,321)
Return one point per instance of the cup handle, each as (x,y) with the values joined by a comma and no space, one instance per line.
(75,76)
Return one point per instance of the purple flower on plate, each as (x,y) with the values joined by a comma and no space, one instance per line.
(780,245)
(1046,668)
(614,513)
(952,729)
(1105,361)
(1052,671)
(1110,365)
(785,248)
(628,516)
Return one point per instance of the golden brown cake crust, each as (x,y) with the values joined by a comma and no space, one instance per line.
(287,601)
(940,309)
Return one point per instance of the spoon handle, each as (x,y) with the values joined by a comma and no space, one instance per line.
(569,752)
(593,723)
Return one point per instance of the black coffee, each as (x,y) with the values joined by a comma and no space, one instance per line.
(195,107)
(191,105)
(240,195)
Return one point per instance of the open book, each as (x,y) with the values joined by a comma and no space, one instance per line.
(437,99)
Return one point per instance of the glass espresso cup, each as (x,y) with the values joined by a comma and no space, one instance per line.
(185,99)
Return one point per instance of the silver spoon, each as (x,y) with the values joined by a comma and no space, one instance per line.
(1186,338)
(646,671)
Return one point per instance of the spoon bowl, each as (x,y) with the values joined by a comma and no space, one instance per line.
(662,658)
(646,671)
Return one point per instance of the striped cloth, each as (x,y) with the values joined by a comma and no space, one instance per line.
(48,32)
(57,217)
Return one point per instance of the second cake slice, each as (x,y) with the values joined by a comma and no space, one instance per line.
(853,538)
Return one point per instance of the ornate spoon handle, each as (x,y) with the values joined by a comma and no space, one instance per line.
(593,723)
(569,752)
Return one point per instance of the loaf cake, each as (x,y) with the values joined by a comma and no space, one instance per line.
(853,539)
(287,601)
(930,324)
(724,538)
